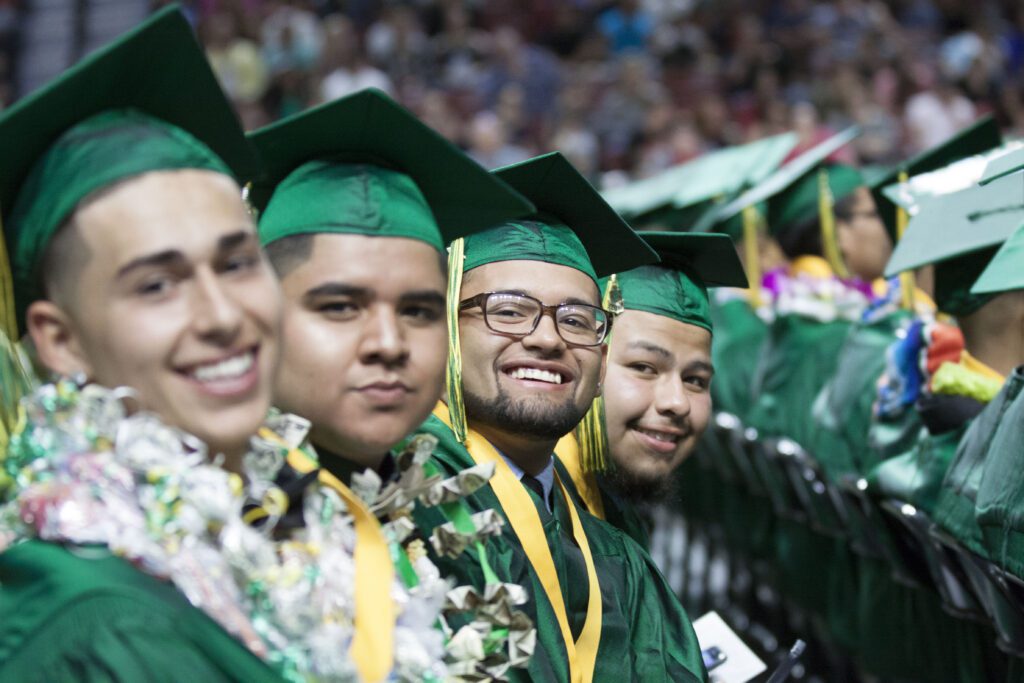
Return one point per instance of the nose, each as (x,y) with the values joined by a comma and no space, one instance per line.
(216,314)
(382,339)
(671,398)
(545,337)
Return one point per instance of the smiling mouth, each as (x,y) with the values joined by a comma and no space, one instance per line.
(664,437)
(228,376)
(535,375)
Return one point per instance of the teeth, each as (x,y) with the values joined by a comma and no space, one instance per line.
(660,436)
(535,374)
(233,367)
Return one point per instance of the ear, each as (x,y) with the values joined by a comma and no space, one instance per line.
(55,339)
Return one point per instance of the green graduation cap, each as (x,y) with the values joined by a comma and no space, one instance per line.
(677,287)
(1012,162)
(979,137)
(363,164)
(692,184)
(1004,272)
(784,186)
(959,233)
(958,175)
(148,101)
(573,225)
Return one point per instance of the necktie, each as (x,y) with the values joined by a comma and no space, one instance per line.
(534,485)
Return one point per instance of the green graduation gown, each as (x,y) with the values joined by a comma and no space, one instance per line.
(739,334)
(82,614)
(645,634)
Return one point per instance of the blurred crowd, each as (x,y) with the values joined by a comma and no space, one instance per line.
(625,88)
(629,87)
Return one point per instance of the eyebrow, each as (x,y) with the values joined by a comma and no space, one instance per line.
(425,296)
(337,289)
(700,365)
(174,257)
(648,346)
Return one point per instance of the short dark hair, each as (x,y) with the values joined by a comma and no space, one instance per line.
(843,208)
(802,238)
(288,253)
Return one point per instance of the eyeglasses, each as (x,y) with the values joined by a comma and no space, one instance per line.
(519,315)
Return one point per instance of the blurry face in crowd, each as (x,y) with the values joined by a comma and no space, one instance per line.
(863,241)
(499,396)
(657,397)
(171,297)
(365,343)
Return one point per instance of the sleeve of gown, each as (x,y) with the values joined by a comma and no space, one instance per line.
(115,639)
(664,646)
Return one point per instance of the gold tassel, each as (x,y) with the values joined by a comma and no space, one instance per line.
(590,433)
(907,284)
(751,222)
(827,218)
(453,377)
(16,375)
(8,312)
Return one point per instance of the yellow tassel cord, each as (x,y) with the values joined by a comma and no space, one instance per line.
(827,219)
(907,284)
(590,435)
(16,375)
(453,377)
(751,224)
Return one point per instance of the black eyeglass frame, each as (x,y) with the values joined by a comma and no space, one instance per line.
(480,300)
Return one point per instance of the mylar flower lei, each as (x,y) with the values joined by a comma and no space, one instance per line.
(81,470)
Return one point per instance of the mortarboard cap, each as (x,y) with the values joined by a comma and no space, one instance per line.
(573,225)
(363,164)
(1004,271)
(775,186)
(980,136)
(148,101)
(1004,165)
(676,288)
(959,233)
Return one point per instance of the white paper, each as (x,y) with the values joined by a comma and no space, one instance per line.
(741,664)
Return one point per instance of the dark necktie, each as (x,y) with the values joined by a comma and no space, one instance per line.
(534,485)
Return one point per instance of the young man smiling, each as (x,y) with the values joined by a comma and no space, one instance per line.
(135,265)
(357,205)
(656,401)
(528,329)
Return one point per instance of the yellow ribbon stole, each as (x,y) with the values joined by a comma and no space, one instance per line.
(525,520)
(372,648)
(568,451)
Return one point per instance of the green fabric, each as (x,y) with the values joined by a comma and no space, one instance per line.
(368,128)
(955,509)
(564,199)
(953,225)
(531,240)
(916,476)
(739,335)
(798,358)
(325,196)
(646,635)
(1004,271)
(672,293)
(85,615)
(799,203)
(1004,165)
(623,514)
(677,287)
(999,508)
(147,101)
(790,174)
(89,157)
(980,136)
(716,174)
(842,412)
(954,280)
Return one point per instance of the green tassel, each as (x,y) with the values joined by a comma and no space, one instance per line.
(590,433)
(453,377)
